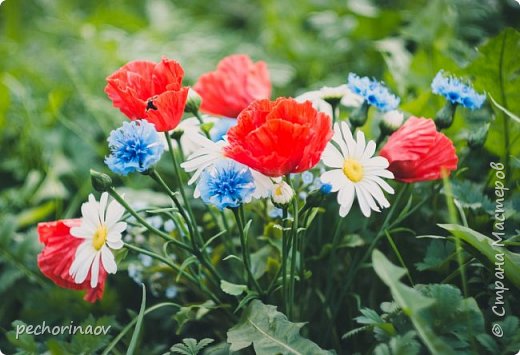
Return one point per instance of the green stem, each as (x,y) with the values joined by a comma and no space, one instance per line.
(292,279)
(141,220)
(201,122)
(196,237)
(245,250)
(399,257)
(161,259)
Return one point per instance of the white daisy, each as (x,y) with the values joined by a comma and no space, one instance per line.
(355,172)
(318,98)
(392,120)
(282,193)
(101,230)
(209,153)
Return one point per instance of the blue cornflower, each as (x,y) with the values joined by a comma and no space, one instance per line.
(220,128)
(456,91)
(276,213)
(226,184)
(307,177)
(135,146)
(326,189)
(374,93)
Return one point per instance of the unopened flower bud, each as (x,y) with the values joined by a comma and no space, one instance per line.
(478,138)
(359,116)
(282,194)
(101,182)
(193,102)
(177,133)
(444,118)
(391,121)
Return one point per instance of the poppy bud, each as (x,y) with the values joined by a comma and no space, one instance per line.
(100,181)
(194,101)
(444,118)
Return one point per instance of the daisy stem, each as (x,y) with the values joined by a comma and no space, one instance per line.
(284,259)
(162,259)
(239,216)
(196,237)
(292,279)
(141,220)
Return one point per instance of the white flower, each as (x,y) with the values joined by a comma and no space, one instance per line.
(392,120)
(190,126)
(282,193)
(208,154)
(101,230)
(355,172)
(319,97)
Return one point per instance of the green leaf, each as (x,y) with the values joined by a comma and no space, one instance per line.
(190,346)
(231,288)
(437,253)
(191,313)
(410,301)
(496,72)
(133,343)
(488,248)
(270,333)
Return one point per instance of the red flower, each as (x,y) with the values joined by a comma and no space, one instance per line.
(279,137)
(150,91)
(58,254)
(417,152)
(233,86)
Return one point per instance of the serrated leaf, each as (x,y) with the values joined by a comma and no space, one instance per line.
(437,253)
(270,332)
(410,301)
(231,288)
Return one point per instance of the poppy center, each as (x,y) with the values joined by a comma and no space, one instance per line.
(353,170)
(150,105)
(100,237)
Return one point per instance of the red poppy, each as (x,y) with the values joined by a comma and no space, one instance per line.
(150,91)
(58,254)
(233,86)
(279,137)
(417,152)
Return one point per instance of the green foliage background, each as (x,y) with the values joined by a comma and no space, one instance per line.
(54,116)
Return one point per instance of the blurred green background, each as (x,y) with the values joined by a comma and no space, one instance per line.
(55,117)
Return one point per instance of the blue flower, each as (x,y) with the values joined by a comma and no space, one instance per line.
(135,146)
(220,128)
(307,177)
(276,213)
(326,189)
(226,184)
(456,91)
(374,93)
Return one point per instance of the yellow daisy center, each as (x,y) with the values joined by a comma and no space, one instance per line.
(100,237)
(353,170)
(278,191)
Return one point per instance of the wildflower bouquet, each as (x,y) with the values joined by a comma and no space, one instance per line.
(279,212)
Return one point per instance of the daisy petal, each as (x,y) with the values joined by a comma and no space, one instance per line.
(331,157)
(94,275)
(109,262)
(335,178)
(345,198)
